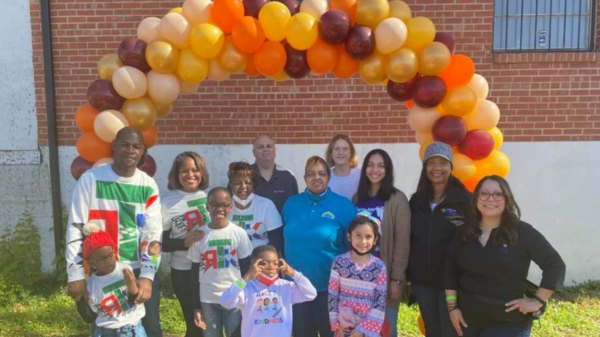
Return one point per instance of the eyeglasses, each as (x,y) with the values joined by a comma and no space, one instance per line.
(217,205)
(485,195)
(104,259)
(313,175)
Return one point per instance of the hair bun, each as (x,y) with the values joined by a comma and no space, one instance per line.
(90,228)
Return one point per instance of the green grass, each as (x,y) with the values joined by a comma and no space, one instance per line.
(575,312)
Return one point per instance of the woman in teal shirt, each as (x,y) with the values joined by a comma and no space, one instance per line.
(315,223)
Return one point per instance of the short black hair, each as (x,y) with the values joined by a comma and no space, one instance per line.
(258,251)
(219,189)
(363,220)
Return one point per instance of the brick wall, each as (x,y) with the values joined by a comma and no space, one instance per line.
(542,96)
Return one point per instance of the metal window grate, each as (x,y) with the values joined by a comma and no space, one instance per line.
(543,25)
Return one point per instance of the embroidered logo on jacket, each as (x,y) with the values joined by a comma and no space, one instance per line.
(328,215)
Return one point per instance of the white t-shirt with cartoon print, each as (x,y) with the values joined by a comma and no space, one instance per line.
(262,216)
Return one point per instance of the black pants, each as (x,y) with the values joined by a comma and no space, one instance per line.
(181,280)
(311,319)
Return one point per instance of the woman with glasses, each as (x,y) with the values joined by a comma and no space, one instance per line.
(439,206)
(341,157)
(487,266)
(184,213)
(315,223)
(378,196)
(258,216)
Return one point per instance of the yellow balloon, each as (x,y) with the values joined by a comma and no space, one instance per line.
(464,167)
(162,56)
(207,40)
(189,88)
(422,119)
(141,113)
(231,58)
(197,11)
(485,116)
(274,18)
(191,68)
(371,12)
(498,137)
(390,35)
(480,86)
(163,110)
(216,72)
(372,69)
(178,10)
(402,65)
(421,32)
(107,66)
(148,29)
(175,29)
(399,9)
(434,59)
(495,163)
(423,137)
(423,148)
(314,8)
(459,101)
(303,31)
(280,76)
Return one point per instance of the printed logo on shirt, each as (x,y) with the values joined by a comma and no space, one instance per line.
(254,230)
(278,191)
(115,299)
(219,255)
(328,215)
(454,216)
(268,307)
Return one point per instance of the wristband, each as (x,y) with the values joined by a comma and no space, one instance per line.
(537,298)
(240,283)
(451,298)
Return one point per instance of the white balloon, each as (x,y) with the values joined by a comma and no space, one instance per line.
(314,8)
(108,123)
(197,11)
(148,29)
(163,88)
(130,82)
(390,35)
(103,161)
(480,86)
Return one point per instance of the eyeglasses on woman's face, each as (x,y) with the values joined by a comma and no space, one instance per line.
(496,195)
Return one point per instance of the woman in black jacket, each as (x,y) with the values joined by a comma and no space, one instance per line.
(438,208)
(487,266)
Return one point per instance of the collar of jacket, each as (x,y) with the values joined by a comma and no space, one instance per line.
(317,198)
(463,196)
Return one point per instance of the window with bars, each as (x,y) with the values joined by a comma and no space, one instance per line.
(543,25)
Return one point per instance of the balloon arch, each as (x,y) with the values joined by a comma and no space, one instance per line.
(284,39)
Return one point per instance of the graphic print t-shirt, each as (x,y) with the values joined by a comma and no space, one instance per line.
(219,253)
(375,206)
(183,212)
(108,297)
(257,220)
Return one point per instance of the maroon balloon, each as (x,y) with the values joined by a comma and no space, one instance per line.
(292,5)
(132,52)
(477,144)
(429,91)
(447,39)
(296,65)
(79,166)
(334,26)
(149,166)
(253,7)
(360,42)
(103,96)
(402,92)
(450,130)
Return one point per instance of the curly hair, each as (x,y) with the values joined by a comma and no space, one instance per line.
(244,169)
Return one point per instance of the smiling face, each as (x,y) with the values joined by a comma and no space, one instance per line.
(128,150)
(340,153)
(241,186)
(317,178)
(375,169)
(362,238)
(438,170)
(490,200)
(219,206)
(270,263)
(190,176)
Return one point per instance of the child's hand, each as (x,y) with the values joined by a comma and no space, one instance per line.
(192,237)
(356,333)
(286,269)
(198,320)
(130,281)
(256,268)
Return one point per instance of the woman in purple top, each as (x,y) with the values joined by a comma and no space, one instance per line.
(378,196)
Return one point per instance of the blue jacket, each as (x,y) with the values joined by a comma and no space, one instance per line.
(315,233)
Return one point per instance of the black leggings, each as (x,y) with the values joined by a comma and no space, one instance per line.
(181,280)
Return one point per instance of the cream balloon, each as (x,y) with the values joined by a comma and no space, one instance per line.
(480,86)
(485,116)
(130,82)
(422,119)
(103,161)
(423,137)
(108,123)
(163,88)
(314,8)
(175,29)
(197,11)
(390,35)
(189,88)
(148,29)
(216,72)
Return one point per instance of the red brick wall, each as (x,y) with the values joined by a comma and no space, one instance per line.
(542,97)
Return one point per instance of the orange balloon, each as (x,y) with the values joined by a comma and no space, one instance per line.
(472,182)
(322,57)
(250,69)
(85,116)
(459,72)
(421,325)
(348,6)
(270,58)
(150,137)
(423,148)
(91,148)
(225,13)
(248,34)
(346,66)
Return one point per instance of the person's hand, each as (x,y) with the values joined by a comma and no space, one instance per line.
(256,268)
(144,290)
(286,269)
(130,281)
(458,321)
(198,320)
(356,333)
(192,237)
(394,290)
(341,330)
(76,289)
(525,305)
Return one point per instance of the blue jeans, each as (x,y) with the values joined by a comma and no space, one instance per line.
(432,304)
(216,317)
(125,331)
(473,330)
(391,314)
(311,319)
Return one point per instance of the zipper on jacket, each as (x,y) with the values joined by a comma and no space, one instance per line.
(429,242)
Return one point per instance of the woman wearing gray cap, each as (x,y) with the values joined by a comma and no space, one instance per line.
(439,206)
